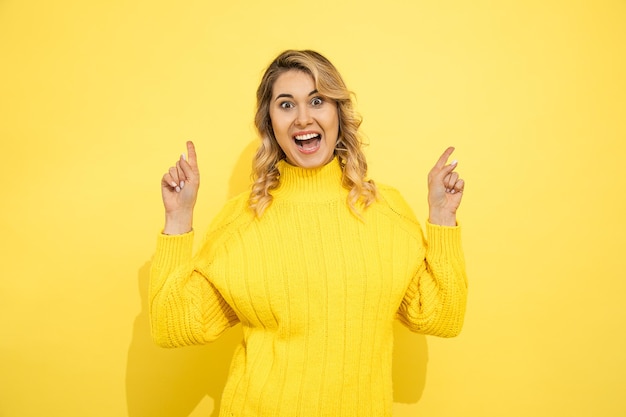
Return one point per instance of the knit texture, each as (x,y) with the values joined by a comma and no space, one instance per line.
(316,290)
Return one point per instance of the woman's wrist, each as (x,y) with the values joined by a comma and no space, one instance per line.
(178,223)
(442,219)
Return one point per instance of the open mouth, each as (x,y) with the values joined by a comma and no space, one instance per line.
(309,142)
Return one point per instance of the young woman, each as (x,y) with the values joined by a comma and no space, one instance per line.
(315,262)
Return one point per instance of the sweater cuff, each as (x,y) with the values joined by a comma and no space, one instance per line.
(444,241)
(173,249)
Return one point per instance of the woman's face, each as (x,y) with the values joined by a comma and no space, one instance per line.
(306,124)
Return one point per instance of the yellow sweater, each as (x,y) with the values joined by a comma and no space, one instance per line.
(316,291)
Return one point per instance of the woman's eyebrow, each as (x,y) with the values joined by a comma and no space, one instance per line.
(290,96)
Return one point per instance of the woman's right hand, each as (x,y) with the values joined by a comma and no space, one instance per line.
(179,189)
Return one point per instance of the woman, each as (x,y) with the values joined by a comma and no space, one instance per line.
(316,262)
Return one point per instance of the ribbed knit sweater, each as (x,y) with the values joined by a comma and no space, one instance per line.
(316,291)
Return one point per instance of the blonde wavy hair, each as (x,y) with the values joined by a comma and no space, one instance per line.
(328,82)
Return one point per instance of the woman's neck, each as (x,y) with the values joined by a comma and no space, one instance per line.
(310,184)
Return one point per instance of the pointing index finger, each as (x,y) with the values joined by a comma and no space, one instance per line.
(191,152)
(444,157)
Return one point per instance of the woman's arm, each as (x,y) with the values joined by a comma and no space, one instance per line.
(185,308)
(436,298)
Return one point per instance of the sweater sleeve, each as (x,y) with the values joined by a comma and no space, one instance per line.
(185,307)
(436,298)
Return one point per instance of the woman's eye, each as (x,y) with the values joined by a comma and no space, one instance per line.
(317,101)
(286,105)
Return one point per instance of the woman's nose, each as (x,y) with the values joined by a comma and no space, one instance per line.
(303,118)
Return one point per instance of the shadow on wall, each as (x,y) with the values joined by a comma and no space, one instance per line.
(176,382)
(410,359)
(172,382)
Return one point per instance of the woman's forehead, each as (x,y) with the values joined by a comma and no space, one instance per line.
(294,83)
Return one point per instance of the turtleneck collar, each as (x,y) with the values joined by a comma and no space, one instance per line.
(310,184)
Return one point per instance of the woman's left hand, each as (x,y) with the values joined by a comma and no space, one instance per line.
(445,190)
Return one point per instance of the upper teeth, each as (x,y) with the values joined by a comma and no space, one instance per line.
(306,137)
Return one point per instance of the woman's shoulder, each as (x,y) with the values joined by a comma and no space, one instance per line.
(233,214)
(391,198)
(392,204)
(230,220)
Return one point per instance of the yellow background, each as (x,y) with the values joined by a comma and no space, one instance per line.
(97,99)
